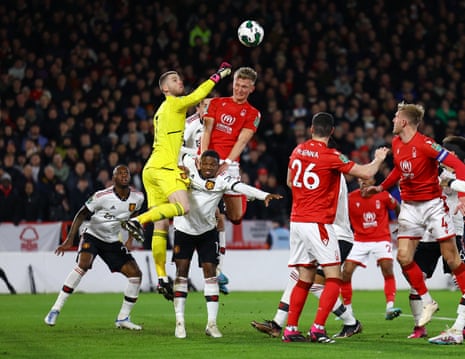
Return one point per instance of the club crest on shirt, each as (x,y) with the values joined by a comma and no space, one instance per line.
(183,175)
(209,185)
(132,207)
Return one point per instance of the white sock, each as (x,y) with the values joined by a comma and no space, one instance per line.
(180,288)
(280,317)
(389,305)
(131,293)
(212,293)
(71,283)
(348,318)
(426,298)
(416,306)
(316,289)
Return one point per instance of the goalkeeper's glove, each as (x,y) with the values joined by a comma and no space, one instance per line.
(223,71)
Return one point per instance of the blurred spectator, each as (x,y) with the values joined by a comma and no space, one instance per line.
(79,194)
(58,203)
(103,179)
(10,167)
(278,237)
(278,211)
(61,168)
(32,206)
(10,210)
(79,171)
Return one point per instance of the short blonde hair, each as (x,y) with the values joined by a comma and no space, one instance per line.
(413,112)
(163,78)
(247,73)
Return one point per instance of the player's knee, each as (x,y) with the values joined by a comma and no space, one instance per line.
(403,257)
(235,218)
(236,221)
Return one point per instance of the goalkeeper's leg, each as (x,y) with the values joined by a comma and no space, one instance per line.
(159,245)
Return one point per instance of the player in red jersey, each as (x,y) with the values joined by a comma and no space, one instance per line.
(422,209)
(314,178)
(369,217)
(229,124)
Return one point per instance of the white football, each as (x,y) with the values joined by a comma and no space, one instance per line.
(250,33)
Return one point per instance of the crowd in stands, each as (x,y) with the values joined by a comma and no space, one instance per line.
(79,84)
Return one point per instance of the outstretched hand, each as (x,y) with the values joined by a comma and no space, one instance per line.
(62,248)
(223,71)
(270,197)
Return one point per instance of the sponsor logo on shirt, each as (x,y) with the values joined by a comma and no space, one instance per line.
(223,128)
(406,167)
(228,119)
(369,220)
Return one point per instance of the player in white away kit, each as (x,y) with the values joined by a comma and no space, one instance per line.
(197,231)
(107,208)
(192,137)
(345,237)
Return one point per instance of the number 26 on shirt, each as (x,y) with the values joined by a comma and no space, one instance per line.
(304,177)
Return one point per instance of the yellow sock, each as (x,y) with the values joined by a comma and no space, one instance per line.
(164,211)
(159,239)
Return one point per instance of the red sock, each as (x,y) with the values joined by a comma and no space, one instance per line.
(346,292)
(297,301)
(459,273)
(390,288)
(414,276)
(327,300)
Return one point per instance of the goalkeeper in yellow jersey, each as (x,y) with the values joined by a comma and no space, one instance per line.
(165,183)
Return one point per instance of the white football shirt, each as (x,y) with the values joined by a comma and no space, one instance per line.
(109,211)
(204,197)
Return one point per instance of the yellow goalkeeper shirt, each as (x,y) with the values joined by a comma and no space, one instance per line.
(169,123)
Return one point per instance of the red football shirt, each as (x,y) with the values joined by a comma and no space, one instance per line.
(369,216)
(315,172)
(416,164)
(229,119)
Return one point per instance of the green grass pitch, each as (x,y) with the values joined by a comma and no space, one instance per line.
(85,328)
